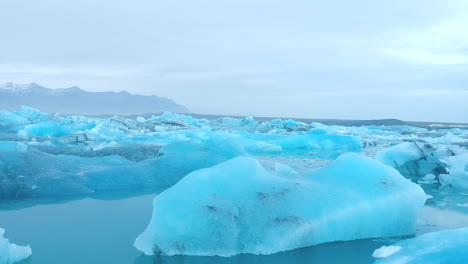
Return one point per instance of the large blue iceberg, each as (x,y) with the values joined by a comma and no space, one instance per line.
(25,174)
(239,207)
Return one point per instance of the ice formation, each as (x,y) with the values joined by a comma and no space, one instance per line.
(385,251)
(448,246)
(11,253)
(445,163)
(457,171)
(39,174)
(45,155)
(253,186)
(239,207)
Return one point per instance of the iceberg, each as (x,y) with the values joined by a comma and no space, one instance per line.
(457,171)
(11,253)
(447,139)
(415,159)
(95,154)
(444,164)
(316,144)
(34,115)
(448,246)
(239,207)
(402,153)
(48,129)
(25,174)
(13,145)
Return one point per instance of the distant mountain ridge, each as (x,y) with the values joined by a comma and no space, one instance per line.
(74,100)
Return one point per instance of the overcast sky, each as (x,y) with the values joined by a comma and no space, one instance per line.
(297,58)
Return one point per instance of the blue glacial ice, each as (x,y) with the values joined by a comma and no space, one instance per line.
(448,246)
(11,253)
(46,155)
(445,162)
(239,207)
(412,159)
(23,116)
(77,155)
(7,145)
(457,171)
(252,187)
(36,173)
(47,129)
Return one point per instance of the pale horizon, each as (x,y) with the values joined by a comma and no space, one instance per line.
(234,114)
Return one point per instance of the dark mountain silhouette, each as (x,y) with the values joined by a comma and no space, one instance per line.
(74,100)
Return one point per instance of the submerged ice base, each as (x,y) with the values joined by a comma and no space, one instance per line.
(448,246)
(11,253)
(239,207)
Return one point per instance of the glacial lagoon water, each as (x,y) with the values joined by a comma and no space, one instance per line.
(101,231)
(102,156)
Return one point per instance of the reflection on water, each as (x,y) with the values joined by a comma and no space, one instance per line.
(85,231)
(359,251)
(102,230)
(435,219)
(113,195)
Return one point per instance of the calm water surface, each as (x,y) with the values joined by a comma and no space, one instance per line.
(91,231)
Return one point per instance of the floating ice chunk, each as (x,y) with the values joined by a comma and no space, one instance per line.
(11,253)
(326,146)
(260,147)
(402,153)
(278,126)
(322,142)
(290,122)
(429,177)
(48,129)
(38,174)
(33,115)
(232,123)
(446,139)
(415,159)
(136,152)
(22,134)
(13,146)
(238,207)
(457,167)
(8,118)
(105,133)
(228,148)
(385,251)
(171,117)
(283,169)
(121,123)
(448,246)
(76,120)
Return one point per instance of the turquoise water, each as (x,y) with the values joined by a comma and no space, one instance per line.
(91,231)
